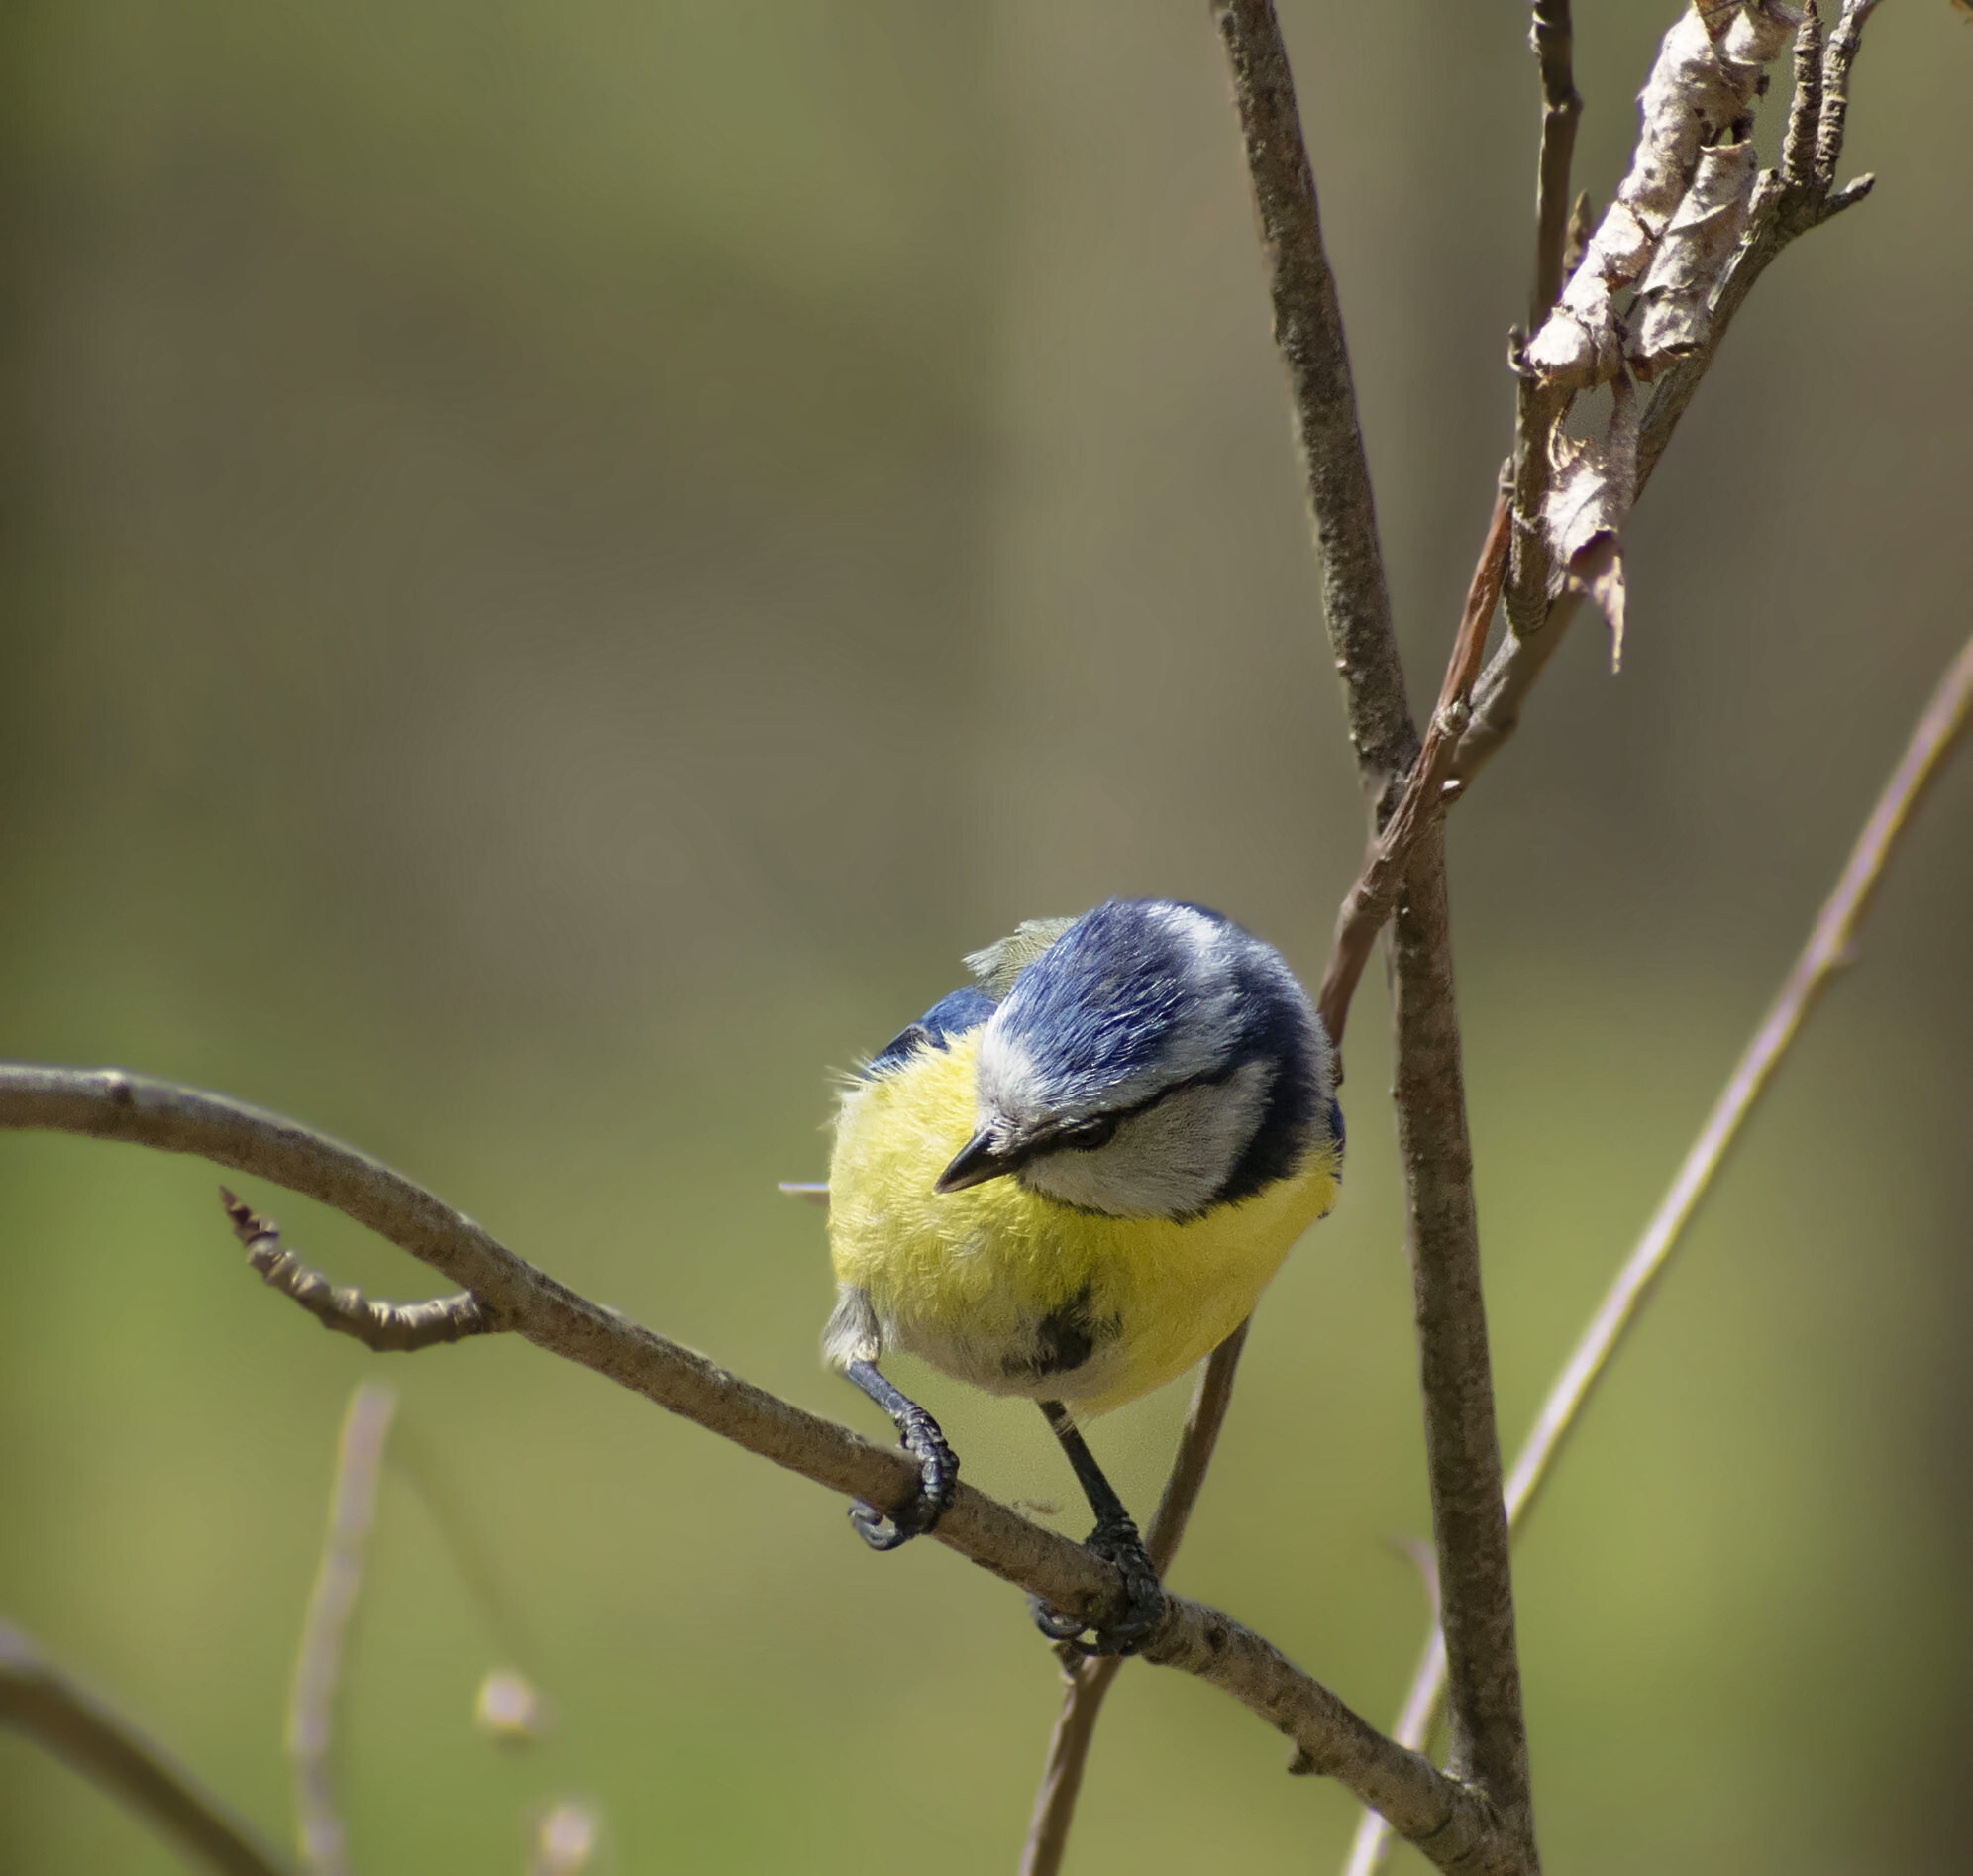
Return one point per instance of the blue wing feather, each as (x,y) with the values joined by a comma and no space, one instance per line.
(950,1016)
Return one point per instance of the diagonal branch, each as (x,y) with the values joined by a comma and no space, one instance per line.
(41,1701)
(388,1329)
(1372,897)
(1828,950)
(1453,1822)
(1086,1678)
(318,1668)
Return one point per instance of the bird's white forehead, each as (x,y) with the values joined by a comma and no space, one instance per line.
(1005,1079)
(1020,1078)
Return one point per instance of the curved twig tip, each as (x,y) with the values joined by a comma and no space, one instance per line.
(386,1328)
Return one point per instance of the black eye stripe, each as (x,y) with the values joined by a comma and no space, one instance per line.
(1085,1136)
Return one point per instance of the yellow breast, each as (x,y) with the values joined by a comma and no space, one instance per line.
(963,1278)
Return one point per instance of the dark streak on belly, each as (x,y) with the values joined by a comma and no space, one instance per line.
(1064,1339)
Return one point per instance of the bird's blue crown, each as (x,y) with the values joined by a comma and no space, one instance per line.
(1133,1002)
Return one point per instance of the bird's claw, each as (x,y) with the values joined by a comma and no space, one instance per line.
(1118,1546)
(938,1484)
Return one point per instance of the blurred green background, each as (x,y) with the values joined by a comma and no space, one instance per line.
(560,565)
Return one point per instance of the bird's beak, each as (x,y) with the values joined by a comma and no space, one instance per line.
(977,1161)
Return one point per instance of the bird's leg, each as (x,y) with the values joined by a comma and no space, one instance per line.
(1115,1542)
(938,1466)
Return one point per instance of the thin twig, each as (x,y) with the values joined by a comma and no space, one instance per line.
(42,1703)
(1828,950)
(389,1328)
(1370,900)
(1837,60)
(1804,108)
(1581,225)
(324,1841)
(1086,1679)
(1553,42)
(1538,407)
(1453,1822)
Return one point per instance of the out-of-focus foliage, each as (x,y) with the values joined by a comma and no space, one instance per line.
(561,563)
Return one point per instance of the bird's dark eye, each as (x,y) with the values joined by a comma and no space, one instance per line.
(1088,1135)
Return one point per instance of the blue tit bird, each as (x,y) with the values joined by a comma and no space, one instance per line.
(1071,1180)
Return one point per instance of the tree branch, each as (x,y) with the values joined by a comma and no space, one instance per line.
(384,1327)
(1688,91)
(1452,1822)
(1371,900)
(41,1701)
(1455,1373)
(1538,409)
(1805,107)
(323,1839)
(1828,950)
(1552,40)
(1309,329)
